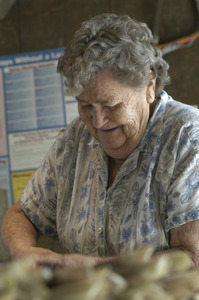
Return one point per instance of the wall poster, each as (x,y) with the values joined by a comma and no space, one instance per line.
(33,109)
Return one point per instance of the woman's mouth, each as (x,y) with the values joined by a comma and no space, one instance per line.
(108,130)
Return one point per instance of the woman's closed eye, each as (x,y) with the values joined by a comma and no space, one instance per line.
(86,106)
(113,107)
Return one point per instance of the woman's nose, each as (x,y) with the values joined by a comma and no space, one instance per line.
(98,117)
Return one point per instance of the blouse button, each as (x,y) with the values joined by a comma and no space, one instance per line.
(99,230)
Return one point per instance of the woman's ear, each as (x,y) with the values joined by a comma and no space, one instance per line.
(151,91)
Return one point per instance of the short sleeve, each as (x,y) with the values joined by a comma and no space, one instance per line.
(39,197)
(183,193)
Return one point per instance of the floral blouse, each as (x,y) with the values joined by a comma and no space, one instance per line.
(156,189)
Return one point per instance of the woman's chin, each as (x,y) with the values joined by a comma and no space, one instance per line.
(116,151)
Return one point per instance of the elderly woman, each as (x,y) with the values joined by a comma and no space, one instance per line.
(126,172)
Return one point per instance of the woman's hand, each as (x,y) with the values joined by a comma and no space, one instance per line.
(41,256)
(49,258)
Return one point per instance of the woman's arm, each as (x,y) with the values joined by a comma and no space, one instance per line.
(18,233)
(186,237)
(20,238)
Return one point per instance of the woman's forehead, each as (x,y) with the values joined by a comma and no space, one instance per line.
(101,99)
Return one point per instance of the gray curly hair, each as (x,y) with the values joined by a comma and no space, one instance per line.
(118,43)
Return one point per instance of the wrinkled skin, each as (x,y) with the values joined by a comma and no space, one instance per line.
(116,114)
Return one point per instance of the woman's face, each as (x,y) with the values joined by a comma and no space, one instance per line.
(115,114)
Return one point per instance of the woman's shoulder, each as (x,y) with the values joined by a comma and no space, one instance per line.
(180,112)
(73,129)
(180,123)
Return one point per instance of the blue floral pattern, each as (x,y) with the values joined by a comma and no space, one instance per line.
(156,189)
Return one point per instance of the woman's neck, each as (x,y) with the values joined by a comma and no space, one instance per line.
(113,168)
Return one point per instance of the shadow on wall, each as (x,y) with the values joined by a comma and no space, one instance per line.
(3,208)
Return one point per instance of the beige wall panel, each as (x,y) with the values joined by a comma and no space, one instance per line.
(184,71)
(9,32)
(49,24)
(142,10)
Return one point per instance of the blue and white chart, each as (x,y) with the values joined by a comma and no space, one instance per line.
(33,109)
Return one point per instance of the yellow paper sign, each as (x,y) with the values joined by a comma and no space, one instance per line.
(19,180)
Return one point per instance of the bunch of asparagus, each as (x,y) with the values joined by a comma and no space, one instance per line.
(140,275)
(21,280)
